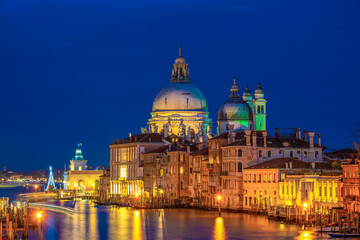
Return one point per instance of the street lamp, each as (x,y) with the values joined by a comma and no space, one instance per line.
(39,216)
(219,199)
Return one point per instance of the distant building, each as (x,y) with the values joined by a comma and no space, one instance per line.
(80,179)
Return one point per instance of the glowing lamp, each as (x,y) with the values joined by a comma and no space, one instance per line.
(219,198)
(38,215)
(305,205)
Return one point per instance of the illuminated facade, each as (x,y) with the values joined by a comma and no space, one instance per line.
(80,179)
(126,165)
(243,113)
(180,108)
(291,182)
(351,185)
(318,190)
(261,181)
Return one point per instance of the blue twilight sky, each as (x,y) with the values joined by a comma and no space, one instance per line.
(88,71)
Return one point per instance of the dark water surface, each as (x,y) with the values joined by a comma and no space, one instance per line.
(110,222)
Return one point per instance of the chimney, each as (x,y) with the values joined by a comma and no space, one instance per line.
(113,141)
(311,139)
(254,139)
(135,139)
(299,133)
(319,137)
(247,135)
(290,165)
(264,136)
(230,127)
(118,140)
(313,165)
(305,137)
(129,134)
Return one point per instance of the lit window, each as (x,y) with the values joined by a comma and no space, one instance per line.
(181,170)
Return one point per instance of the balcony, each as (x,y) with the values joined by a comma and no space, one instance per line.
(210,165)
(197,169)
(224,174)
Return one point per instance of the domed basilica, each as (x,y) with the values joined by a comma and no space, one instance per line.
(181,109)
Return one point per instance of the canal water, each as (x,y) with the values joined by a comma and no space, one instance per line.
(110,222)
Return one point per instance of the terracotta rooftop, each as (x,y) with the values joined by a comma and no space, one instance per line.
(145,137)
(281,163)
(275,142)
(159,150)
(201,152)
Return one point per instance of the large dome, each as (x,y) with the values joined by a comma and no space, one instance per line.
(235,109)
(180,96)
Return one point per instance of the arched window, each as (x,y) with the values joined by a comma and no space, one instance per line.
(239,153)
(187,100)
(258,109)
(316,154)
(239,166)
(291,154)
(165,100)
(260,153)
(305,154)
(269,153)
(262,109)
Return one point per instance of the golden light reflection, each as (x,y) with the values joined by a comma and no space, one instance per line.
(137,233)
(282,226)
(305,235)
(219,229)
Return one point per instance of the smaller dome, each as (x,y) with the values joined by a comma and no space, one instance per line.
(235,109)
(247,96)
(259,92)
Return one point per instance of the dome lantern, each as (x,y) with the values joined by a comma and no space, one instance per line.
(180,72)
(247,96)
(259,92)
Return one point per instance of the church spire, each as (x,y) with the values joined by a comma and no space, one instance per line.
(180,72)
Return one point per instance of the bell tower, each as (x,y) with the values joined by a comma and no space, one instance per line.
(259,109)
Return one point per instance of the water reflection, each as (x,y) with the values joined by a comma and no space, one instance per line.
(111,222)
(137,233)
(219,229)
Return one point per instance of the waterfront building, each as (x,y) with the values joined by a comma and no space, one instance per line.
(290,182)
(351,184)
(261,181)
(151,160)
(104,190)
(78,178)
(126,165)
(197,175)
(180,108)
(318,188)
